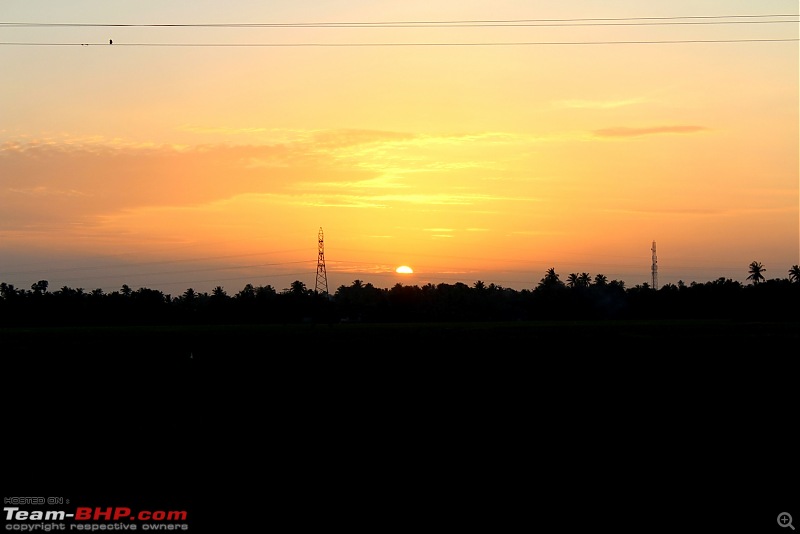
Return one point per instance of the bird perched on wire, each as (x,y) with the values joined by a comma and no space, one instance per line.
(110,41)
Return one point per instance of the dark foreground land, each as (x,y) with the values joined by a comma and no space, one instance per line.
(415,341)
(666,360)
(617,424)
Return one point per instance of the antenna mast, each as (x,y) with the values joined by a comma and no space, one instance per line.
(322,277)
(654,267)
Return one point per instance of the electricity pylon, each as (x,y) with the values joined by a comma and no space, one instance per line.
(322,277)
(654,267)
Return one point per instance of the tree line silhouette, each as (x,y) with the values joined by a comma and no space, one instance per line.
(579,297)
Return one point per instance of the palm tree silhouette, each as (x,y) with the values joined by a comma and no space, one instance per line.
(550,280)
(755,272)
(585,280)
(794,273)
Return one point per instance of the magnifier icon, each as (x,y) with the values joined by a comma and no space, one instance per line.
(785,520)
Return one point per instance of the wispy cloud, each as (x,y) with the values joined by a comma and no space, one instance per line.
(379,182)
(402,154)
(329,139)
(222,130)
(623,131)
(41,191)
(382,201)
(599,104)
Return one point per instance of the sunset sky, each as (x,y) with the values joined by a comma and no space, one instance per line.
(469,140)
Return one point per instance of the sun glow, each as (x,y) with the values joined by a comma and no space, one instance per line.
(404,269)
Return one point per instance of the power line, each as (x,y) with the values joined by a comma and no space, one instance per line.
(419,44)
(149,263)
(560,22)
(183,271)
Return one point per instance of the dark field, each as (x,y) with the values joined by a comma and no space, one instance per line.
(413,340)
(645,357)
(407,420)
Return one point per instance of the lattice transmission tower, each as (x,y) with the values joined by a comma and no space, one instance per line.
(654,267)
(322,277)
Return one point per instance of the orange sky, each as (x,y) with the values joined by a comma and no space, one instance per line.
(444,148)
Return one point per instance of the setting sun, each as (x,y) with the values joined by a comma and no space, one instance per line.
(404,269)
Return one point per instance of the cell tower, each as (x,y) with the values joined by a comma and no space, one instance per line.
(322,277)
(654,268)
